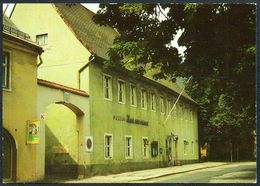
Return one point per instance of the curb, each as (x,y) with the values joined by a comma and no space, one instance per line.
(168,174)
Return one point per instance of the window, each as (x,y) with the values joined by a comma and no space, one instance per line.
(128,147)
(42,39)
(107,87)
(153,102)
(133,95)
(143,99)
(181,112)
(162,104)
(121,91)
(174,109)
(169,106)
(192,147)
(185,147)
(108,146)
(154,148)
(145,147)
(6,70)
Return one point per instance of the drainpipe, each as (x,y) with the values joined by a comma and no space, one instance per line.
(39,64)
(91,58)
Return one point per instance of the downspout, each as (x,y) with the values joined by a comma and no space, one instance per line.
(91,58)
(41,62)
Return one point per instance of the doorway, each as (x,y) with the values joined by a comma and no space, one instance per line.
(9,157)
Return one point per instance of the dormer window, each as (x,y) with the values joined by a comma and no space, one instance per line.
(42,39)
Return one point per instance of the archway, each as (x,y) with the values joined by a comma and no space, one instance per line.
(9,157)
(62,139)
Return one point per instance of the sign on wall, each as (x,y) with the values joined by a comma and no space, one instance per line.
(89,143)
(33,131)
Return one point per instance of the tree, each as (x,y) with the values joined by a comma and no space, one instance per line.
(220,41)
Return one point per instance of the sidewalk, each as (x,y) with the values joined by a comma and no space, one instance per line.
(143,174)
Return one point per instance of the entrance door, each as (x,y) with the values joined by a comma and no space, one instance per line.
(8,157)
(169,151)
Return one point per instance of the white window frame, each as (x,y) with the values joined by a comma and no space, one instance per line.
(110,83)
(162,105)
(192,147)
(123,91)
(145,99)
(45,36)
(181,112)
(153,101)
(133,93)
(168,106)
(8,73)
(110,146)
(130,147)
(145,148)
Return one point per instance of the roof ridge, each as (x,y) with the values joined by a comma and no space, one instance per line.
(71,28)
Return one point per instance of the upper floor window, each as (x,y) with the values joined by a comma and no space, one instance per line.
(162,108)
(133,95)
(108,146)
(128,147)
(169,106)
(107,87)
(153,102)
(42,39)
(143,99)
(6,70)
(121,91)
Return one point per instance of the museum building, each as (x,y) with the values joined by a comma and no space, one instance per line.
(101,120)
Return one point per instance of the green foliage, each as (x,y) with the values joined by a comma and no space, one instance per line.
(220,56)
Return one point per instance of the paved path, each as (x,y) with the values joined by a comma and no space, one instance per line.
(145,174)
(244,172)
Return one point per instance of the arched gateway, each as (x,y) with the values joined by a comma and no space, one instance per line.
(64,114)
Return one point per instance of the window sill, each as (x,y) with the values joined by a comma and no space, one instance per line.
(122,103)
(108,99)
(109,158)
(134,106)
(7,89)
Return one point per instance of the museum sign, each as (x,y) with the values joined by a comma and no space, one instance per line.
(128,119)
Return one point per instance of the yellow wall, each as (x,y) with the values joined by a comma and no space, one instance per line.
(64,55)
(19,105)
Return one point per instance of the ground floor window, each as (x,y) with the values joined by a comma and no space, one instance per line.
(145,147)
(128,147)
(108,146)
(185,147)
(192,147)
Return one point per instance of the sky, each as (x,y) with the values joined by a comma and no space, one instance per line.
(94,7)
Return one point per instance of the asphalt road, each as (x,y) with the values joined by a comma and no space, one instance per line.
(244,172)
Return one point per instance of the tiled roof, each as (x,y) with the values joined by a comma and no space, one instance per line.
(98,39)
(8,22)
(11,28)
(62,87)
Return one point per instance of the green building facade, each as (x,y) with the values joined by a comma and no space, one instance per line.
(100,120)
(128,118)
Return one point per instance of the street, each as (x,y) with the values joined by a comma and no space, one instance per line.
(244,172)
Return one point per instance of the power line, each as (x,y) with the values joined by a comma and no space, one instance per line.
(176,101)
